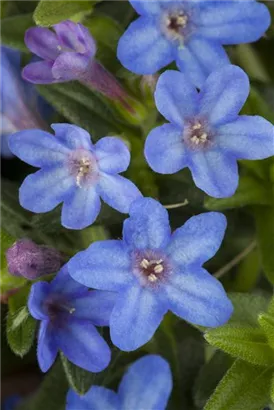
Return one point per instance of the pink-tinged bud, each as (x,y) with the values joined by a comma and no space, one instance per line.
(26,258)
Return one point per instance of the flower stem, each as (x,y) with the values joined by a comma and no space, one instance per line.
(235,261)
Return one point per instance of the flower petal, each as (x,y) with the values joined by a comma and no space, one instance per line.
(95,305)
(198,239)
(37,148)
(112,154)
(47,349)
(215,173)
(117,191)
(143,49)
(249,137)
(97,398)
(83,345)
(72,136)
(146,7)
(44,190)
(148,225)
(135,318)
(38,293)
(233,22)
(199,58)
(70,66)
(64,284)
(164,149)
(42,42)
(147,384)
(199,298)
(39,73)
(80,208)
(105,265)
(223,94)
(176,97)
(76,37)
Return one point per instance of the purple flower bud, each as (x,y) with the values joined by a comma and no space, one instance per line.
(26,258)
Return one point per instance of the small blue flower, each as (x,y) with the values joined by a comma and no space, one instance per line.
(146,385)
(20,106)
(74,171)
(191,33)
(154,271)
(205,132)
(69,313)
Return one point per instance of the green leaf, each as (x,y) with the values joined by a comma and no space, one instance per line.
(13,217)
(13,30)
(247,308)
(20,325)
(52,392)
(48,13)
(209,376)
(9,282)
(265,234)
(243,342)
(244,386)
(250,191)
(81,106)
(267,324)
(247,273)
(272,389)
(256,105)
(79,379)
(6,241)
(107,33)
(250,60)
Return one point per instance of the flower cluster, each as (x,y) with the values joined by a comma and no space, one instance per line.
(136,280)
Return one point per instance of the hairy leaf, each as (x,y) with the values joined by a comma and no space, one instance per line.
(267,324)
(244,386)
(79,379)
(20,325)
(243,342)
(48,13)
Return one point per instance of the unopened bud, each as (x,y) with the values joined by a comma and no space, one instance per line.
(26,258)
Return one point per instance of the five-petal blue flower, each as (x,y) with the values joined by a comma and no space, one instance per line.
(146,385)
(191,33)
(205,132)
(69,313)
(74,171)
(154,271)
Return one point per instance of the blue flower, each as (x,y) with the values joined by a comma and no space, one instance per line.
(20,105)
(69,313)
(74,171)
(205,132)
(146,385)
(191,33)
(154,271)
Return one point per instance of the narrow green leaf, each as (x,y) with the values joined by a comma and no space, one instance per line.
(80,106)
(243,342)
(79,379)
(210,375)
(244,386)
(51,395)
(247,274)
(48,13)
(265,234)
(13,30)
(20,325)
(267,324)
(272,388)
(247,308)
(106,32)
